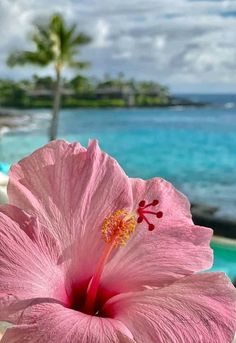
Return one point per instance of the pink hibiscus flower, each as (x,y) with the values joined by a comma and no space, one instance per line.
(90,255)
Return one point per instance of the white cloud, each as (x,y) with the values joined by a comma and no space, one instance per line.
(187,42)
(160,42)
(101,34)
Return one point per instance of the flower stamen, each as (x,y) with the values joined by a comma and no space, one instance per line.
(118,227)
(116,230)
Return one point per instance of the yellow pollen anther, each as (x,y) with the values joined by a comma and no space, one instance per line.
(118,227)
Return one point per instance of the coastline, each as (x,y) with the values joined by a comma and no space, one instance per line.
(171,101)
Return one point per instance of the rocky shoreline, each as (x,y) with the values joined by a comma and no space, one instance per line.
(11,119)
(205,215)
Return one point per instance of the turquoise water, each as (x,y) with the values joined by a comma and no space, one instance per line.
(195,148)
(225,259)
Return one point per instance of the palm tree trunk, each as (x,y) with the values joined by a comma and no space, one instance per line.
(56,107)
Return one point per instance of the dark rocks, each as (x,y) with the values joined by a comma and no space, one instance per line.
(205,215)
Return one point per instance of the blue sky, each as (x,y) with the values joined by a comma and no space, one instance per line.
(189,45)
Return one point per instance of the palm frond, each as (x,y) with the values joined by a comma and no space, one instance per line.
(55,42)
(78,64)
(27,57)
(81,39)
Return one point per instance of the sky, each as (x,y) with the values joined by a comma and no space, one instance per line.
(188,45)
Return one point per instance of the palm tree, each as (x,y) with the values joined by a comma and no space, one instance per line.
(56,44)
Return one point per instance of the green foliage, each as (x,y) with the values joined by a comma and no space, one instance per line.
(72,102)
(81,92)
(144,100)
(43,82)
(55,43)
(11,94)
(81,84)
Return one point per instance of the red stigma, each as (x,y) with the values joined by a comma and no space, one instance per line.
(140,219)
(159,214)
(151,227)
(142,203)
(142,212)
(155,202)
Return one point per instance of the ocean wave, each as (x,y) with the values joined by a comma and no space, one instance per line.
(229,105)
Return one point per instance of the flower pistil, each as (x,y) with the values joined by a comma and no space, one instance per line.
(116,230)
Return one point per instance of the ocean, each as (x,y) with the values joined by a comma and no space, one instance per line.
(193,147)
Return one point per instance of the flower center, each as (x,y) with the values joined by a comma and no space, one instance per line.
(116,230)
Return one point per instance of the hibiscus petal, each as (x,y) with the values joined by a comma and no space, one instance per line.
(198,308)
(54,323)
(37,232)
(25,270)
(13,308)
(174,205)
(175,248)
(171,254)
(71,190)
